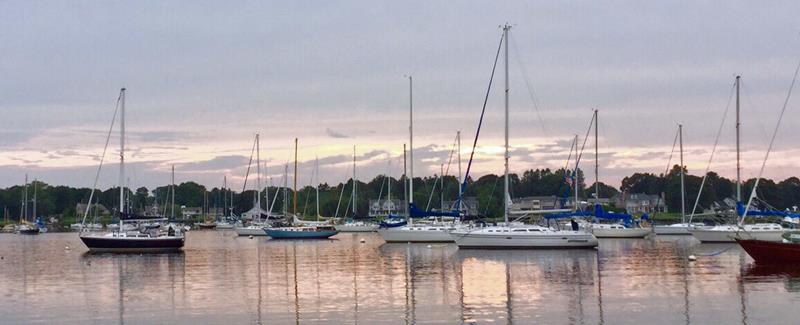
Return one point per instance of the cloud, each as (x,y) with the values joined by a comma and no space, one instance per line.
(335,134)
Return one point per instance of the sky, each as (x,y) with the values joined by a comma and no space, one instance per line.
(203,78)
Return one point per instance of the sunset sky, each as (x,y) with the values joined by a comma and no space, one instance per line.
(204,77)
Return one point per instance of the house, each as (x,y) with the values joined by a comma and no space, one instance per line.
(640,203)
(384,207)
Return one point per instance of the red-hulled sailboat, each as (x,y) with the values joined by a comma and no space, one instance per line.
(766,252)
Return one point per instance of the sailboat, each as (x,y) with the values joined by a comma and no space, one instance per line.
(524,236)
(681,228)
(300,231)
(223,223)
(730,232)
(257,222)
(148,239)
(28,227)
(353,225)
(410,232)
(625,227)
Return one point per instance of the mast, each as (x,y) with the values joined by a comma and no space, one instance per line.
(596,162)
(258,175)
(506,207)
(224,196)
(411,140)
(294,201)
(389,181)
(354,181)
(285,189)
(441,189)
(683,189)
(33,217)
(575,175)
(738,166)
(122,156)
(172,187)
(458,140)
(405,183)
(316,173)
(25,201)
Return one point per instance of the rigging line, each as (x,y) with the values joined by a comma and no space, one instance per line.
(310,186)
(569,157)
(440,179)
(669,161)
(583,146)
(249,163)
(480,121)
(102,159)
(713,150)
(771,143)
(341,194)
(530,89)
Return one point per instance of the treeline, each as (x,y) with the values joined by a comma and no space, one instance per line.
(488,189)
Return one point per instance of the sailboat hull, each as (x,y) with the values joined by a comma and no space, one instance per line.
(404,235)
(110,244)
(621,232)
(290,234)
(729,234)
(467,240)
(675,229)
(250,231)
(765,252)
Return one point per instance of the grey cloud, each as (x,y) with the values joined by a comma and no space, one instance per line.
(335,134)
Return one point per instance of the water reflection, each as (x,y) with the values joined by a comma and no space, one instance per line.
(222,278)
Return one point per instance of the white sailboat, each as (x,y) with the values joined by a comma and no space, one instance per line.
(357,225)
(610,230)
(681,228)
(522,236)
(415,233)
(257,224)
(730,232)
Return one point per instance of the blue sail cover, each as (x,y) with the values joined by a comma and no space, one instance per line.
(764,213)
(415,212)
(598,213)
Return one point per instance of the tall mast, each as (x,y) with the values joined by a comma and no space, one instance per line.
(294,201)
(411,140)
(258,175)
(506,197)
(389,185)
(458,140)
(596,161)
(683,189)
(738,167)
(122,155)
(354,181)
(266,191)
(316,174)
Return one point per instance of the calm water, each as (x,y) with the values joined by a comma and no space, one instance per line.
(221,278)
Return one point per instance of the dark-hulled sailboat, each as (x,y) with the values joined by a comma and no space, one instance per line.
(149,237)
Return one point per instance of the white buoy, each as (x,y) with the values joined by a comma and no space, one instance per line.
(66,247)
(429,246)
(363,240)
(251,236)
(692,258)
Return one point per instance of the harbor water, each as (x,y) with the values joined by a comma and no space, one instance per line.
(220,278)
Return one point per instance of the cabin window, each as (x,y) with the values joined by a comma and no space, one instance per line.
(520,230)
